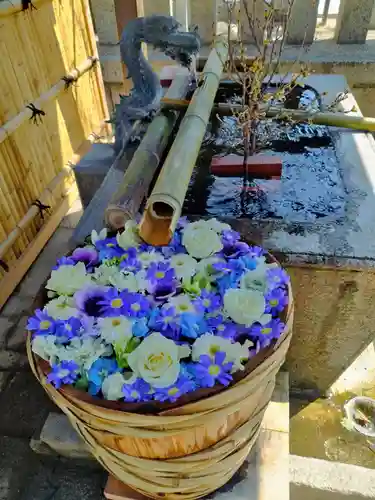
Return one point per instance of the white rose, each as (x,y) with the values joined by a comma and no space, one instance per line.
(116,330)
(209,344)
(112,387)
(201,242)
(184,265)
(123,281)
(218,226)
(129,237)
(157,360)
(66,280)
(62,308)
(244,306)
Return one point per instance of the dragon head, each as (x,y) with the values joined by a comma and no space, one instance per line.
(165,34)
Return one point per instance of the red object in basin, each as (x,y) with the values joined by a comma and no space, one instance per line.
(259,166)
(168,73)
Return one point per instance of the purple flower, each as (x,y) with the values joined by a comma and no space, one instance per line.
(248,262)
(114,302)
(99,370)
(277,277)
(229,237)
(235,250)
(276,301)
(192,325)
(182,222)
(227,281)
(234,266)
(165,321)
(137,391)
(271,330)
(131,265)
(68,329)
(140,328)
(209,371)
(41,324)
(175,391)
(108,249)
(226,329)
(136,305)
(160,272)
(256,251)
(209,301)
(163,290)
(63,373)
(88,255)
(89,300)
(64,261)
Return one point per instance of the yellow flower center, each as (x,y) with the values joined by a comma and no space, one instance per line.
(214,370)
(206,302)
(214,349)
(44,325)
(183,307)
(116,322)
(135,307)
(221,328)
(134,394)
(274,302)
(179,263)
(266,331)
(109,245)
(172,391)
(160,274)
(68,327)
(117,303)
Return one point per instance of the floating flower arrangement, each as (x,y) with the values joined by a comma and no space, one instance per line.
(131,322)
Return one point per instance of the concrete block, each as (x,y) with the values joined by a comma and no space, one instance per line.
(72,217)
(4,377)
(104,15)
(12,361)
(353,21)
(204,15)
(157,7)
(302,23)
(16,306)
(5,325)
(17,338)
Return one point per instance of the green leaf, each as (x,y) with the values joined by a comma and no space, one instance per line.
(82,383)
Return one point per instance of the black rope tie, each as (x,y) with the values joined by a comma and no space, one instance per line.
(36,114)
(69,80)
(28,5)
(4,265)
(41,207)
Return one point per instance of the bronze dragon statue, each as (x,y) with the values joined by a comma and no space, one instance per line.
(163,33)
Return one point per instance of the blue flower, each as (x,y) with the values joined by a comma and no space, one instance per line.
(136,305)
(137,391)
(235,249)
(140,328)
(108,249)
(209,371)
(226,329)
(89,300)
(209,301)
(165,321)
(249,262)
(100,369)
(270,331)
(63,373)
(160,272)
(227,281)
(114,303)
(229,237)
(88,255)
(131,265)
(192,325)
(276,278)
(276,301)
(68,329)
(64,261)
(255,251)
(41,324)
(175,391)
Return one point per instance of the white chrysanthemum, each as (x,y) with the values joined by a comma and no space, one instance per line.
(209,344)
(85,351)
(123,281)
(115,330)
(205,265)
(45,347)
(182,304)
(218,226)
(104,273)
(129,237)
(62,308)
(157,360)
(95,236)
(66,280)
(245,307)
(256,279)
(184,265)
(201,242)
(112,387)
(147,258)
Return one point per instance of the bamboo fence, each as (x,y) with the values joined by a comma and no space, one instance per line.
(49,63)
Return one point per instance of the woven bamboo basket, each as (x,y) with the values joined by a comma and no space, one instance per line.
(180,452)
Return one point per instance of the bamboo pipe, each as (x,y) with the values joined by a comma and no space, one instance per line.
(138,176)
(10,126)
(165,203)
(355,122)
(33,211)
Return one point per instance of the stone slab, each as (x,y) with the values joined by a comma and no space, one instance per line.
(302,23)
(353,21)
(5,326)
(16,341)
(14,361)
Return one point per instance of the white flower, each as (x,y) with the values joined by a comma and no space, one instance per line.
(182,303)
(147,258)
(85,351)
(157,360)
(201,242)
(129,237)
(141,280)
(95,236)
(244,306)
(66,280)
(218,226)
(104,273)
(122,281)
(256,279)
(184,265)
(209,344)
(205,265)
(112,387)
(62,308)
(116,330)
(45,347)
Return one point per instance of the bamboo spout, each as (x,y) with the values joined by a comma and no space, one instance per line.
(164,206)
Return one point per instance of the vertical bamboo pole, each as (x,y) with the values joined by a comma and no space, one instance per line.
(165,203)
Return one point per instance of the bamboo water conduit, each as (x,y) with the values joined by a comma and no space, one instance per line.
(48,192)
(165,203)
(10,126)
(333,119)
(138,176)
